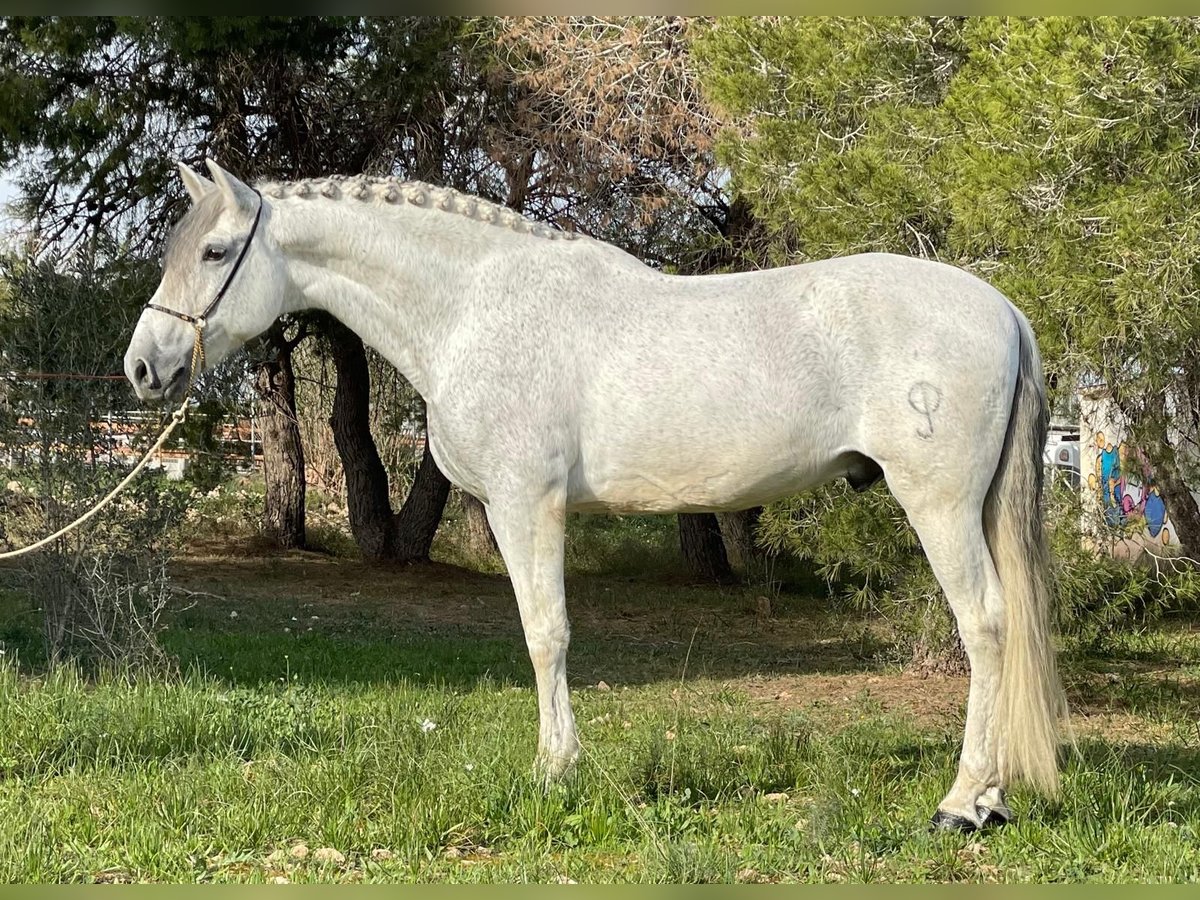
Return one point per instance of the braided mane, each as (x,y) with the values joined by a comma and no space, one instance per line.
(393,191)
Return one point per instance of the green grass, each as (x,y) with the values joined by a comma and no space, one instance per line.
(272,738)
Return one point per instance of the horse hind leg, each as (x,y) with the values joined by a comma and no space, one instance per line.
(951,532)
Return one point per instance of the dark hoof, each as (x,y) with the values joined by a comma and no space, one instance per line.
(994,820)
(944,821)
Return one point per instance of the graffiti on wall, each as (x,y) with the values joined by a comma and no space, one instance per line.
(1130,500)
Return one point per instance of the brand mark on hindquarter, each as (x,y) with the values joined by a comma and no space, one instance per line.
(925,399)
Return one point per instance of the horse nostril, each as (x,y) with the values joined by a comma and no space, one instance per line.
(145,375)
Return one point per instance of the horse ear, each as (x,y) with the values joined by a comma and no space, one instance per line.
(198,188)
(236,194)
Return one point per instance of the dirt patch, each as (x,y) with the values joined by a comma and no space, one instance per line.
(935,700)
(427,595)
(1118,727)
(437,595)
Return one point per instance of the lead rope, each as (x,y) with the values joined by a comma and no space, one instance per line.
(176,419)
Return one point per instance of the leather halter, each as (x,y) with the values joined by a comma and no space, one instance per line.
(199,322)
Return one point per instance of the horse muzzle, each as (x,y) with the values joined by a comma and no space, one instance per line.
(152,380)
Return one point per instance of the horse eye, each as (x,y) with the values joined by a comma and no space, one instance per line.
(214,254)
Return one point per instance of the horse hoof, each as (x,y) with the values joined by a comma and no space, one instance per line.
(944,821)
(994,819)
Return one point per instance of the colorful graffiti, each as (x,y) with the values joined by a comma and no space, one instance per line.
(1130,499)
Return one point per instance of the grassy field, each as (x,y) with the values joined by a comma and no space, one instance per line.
(333,722)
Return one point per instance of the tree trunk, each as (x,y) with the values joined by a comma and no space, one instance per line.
(481,543)
(418,520)
(737,528)
(380,535)
(283,452)
(703,549)
(367,503)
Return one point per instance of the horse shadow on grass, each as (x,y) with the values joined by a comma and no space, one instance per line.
(438,624)
(459,658)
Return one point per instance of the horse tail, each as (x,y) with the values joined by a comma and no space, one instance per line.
(1030,705)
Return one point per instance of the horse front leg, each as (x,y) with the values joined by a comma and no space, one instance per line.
(529,529)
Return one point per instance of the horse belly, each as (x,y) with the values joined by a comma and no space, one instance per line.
(722,472)
(705,421)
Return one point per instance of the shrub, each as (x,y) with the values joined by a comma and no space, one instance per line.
(102,589)
(871,561)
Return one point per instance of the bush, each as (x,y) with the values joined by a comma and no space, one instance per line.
(102,589)
(871,561)
(862,546)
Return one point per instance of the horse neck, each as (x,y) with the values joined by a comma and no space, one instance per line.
(397,277)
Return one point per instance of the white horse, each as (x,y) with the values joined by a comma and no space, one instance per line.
(560,373)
